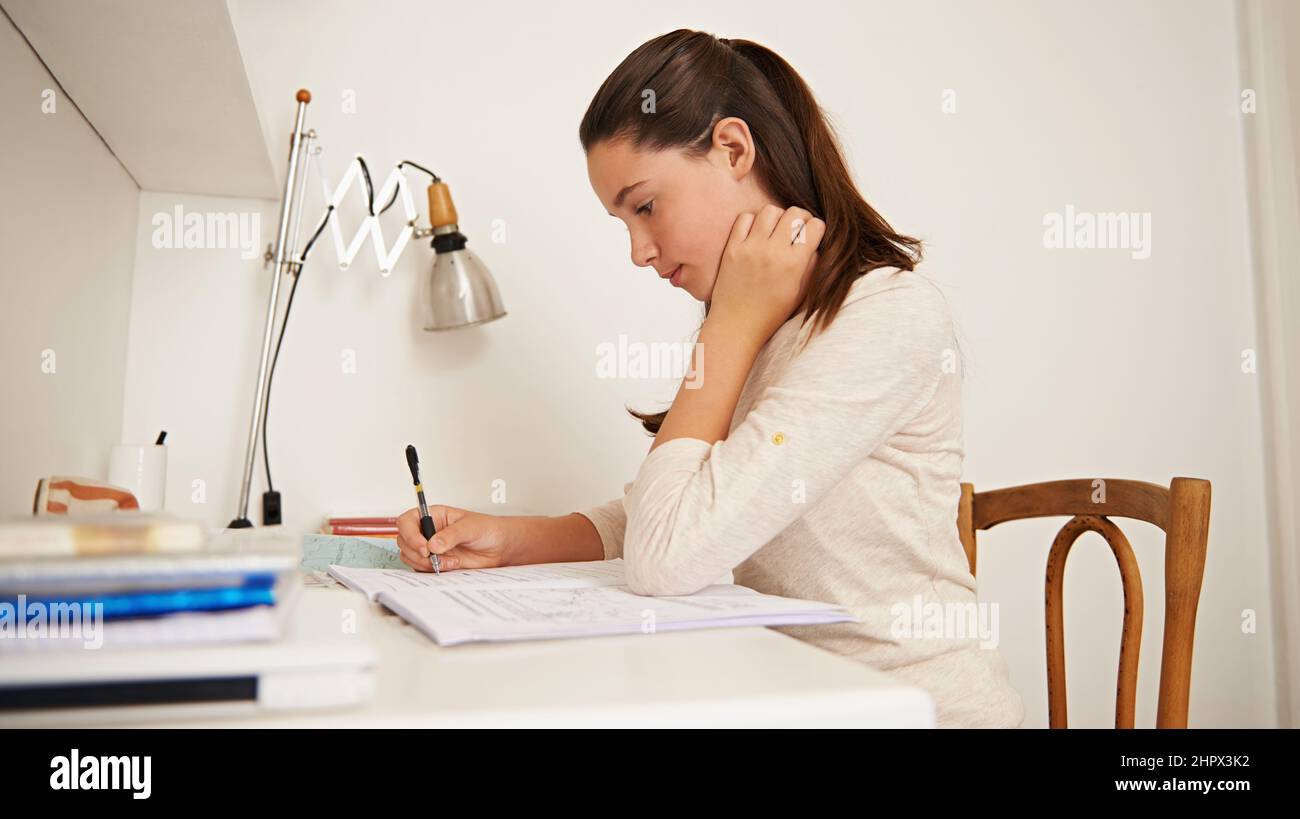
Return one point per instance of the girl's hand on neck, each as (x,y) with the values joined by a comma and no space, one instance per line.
(765,270)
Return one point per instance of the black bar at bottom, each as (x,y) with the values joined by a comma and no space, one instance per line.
(133,692)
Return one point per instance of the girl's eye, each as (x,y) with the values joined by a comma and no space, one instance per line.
(646,207)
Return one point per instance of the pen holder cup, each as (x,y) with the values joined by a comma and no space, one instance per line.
(143,471)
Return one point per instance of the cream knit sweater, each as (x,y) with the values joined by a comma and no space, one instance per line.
(839,481)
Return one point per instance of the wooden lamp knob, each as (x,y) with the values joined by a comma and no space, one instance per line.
(442,211)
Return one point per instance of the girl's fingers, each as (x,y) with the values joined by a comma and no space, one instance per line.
(450,560)
(766,221)
(793,226)
(407,551)
(408,529)
(415,561)
(462,531)
(740,229)
(442,516)
(814,230)
(455,558)
(463,557)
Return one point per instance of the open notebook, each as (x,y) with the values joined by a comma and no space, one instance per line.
(554,600)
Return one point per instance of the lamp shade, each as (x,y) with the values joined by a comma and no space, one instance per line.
(459,291)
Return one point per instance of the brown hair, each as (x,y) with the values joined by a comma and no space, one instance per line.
(697,79)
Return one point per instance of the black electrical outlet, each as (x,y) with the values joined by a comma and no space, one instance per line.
(270,508)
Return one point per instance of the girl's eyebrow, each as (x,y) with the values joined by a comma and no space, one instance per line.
(618,200)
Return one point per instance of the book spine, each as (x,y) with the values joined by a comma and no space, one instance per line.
(254,592)
(362,531)
(84,543)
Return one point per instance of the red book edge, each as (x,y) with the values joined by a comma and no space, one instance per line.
(358,531)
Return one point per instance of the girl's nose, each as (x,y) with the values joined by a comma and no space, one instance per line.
(643,252)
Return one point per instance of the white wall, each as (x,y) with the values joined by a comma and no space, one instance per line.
(1083,363)
(67,230)
(1269,34)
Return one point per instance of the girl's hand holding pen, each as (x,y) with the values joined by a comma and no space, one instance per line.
(765,269)
(464,540)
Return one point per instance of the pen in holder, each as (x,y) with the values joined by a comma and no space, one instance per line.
(143,471)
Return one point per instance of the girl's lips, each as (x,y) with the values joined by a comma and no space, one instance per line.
(676,278)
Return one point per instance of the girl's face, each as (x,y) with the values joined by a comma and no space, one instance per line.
(679,211)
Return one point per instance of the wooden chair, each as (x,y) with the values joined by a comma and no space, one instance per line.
(1182,511)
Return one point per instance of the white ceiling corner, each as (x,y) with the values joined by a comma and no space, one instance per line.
(164,83)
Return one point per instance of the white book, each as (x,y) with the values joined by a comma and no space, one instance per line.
(555,600)
(100,533)
(226,559)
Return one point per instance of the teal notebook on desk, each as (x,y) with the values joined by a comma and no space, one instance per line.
(319,552)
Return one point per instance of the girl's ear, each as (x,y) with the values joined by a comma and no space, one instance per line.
(733,147)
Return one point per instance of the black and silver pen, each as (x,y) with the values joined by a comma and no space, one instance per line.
(426,523)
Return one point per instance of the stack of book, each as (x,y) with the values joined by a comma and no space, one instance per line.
(361,526)
(131,579)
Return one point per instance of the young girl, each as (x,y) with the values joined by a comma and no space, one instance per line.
(817,449)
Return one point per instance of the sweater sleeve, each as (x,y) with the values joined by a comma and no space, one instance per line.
(610,521)
(697,510)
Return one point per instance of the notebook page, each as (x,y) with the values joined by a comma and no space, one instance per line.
(452,616)
(583,574)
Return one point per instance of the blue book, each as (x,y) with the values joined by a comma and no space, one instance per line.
(256,590)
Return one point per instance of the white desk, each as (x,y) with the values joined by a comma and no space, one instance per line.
(729,677)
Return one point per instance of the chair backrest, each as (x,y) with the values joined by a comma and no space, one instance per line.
(1182,510)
